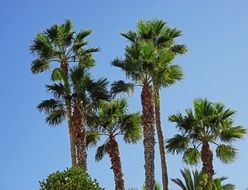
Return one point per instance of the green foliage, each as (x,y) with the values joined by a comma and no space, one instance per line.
(201,181)
(207,121)
(226,153)
(114,120)
(77,87)
(121,87)
(61,45)
(69,179)
(191,156)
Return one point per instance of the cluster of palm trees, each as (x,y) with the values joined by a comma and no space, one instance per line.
(93,110)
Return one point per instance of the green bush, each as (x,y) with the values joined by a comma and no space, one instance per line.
(70,179)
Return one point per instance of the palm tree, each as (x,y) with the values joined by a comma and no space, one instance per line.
(208,123)
(59,44)
(85,95)
(137,65)
(199,181)
(164,72)
(113,120)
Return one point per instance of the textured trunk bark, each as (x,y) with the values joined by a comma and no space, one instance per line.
(148,132)
(71,132)
(160,139)
(114,154)
(207,159)
(80,136)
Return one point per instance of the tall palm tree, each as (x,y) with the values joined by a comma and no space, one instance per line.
(60,45)
(208,123)
(198,181)
(85,95)
(113,120)
(164,72)
(137,65)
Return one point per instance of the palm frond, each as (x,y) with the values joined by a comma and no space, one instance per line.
(184,123)
(98,90)
(229,186)
(180,183)
(56,117)
(130,127)
(82,34)
(232,134)
(179,49)
(130,35)
(57,89)
(169,76)
(54,110)
(177,144)
(120,86)
(42,47)
(226,153)
(92,137)
(39,66)
(49,105)
(58,75)
(191,156)
(100,152)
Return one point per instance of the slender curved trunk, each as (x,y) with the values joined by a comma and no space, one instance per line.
(64,68)
(148,132)
(165,180)
(207,159)
(80,136)
(71,132)
(114,154)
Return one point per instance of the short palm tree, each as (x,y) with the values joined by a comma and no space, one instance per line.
(85,95)
(199,181)
(60,45)
(113,121)
(208,123)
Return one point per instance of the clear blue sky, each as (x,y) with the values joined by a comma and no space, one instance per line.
(215,67)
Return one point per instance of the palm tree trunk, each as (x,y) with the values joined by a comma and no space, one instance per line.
(64,68)
(207,159)
(148,132)
(114,154)
(71,132)
(160,139)
(80,137)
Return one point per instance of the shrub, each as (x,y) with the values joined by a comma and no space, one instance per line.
(70,179)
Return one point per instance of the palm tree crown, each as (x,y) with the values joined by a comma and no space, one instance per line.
(79,87)
(207,123)
(60,44)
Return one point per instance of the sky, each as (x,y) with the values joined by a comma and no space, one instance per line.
(215,67)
